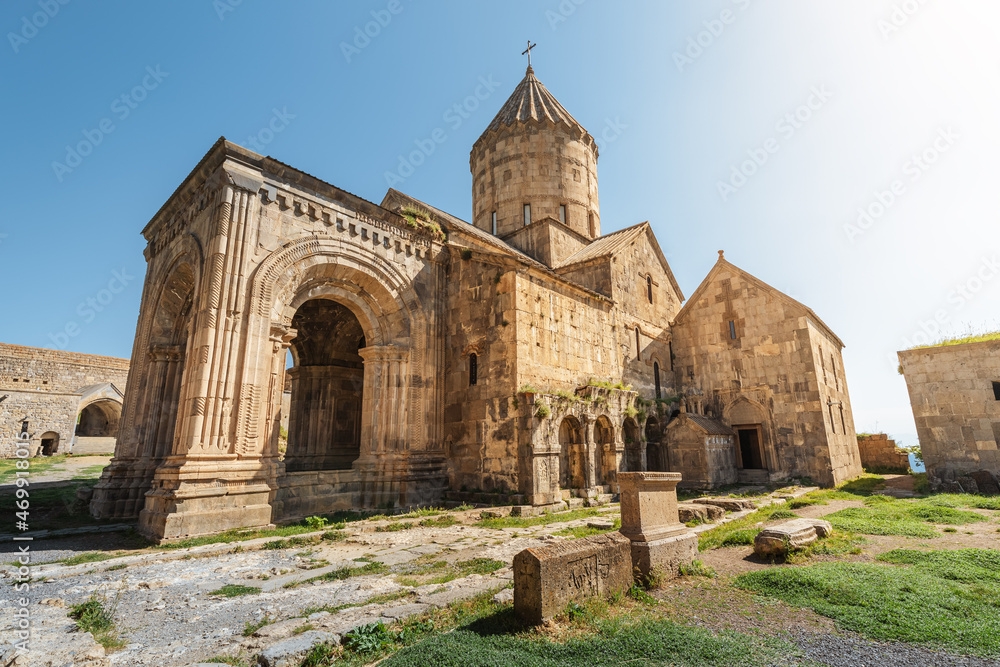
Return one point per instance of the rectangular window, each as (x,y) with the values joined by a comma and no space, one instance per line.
(996,390)
(670,348)
(493,222)
(833,426)
(527,214)
(732,329)
(562,213)
(843,424)
(591,225)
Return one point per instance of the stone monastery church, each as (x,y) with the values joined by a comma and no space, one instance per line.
(523,355)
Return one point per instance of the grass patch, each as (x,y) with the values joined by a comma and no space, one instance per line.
(97,616)
(235,590)
(395,527)
(804,501)
(343,573)
(252,627)
(481,632)
(648,641)
(697,568)
(90,557)
(742,531)
(586,531)
(887,516)
(946,598)
(427,572)
(545,519)
(36,466)
(972,338)
(440,522)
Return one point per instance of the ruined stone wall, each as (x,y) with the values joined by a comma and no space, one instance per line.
(878,452)
(768,368)
(479,420)
(954,395)
(43,387)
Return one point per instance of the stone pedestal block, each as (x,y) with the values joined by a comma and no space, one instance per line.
(546,579)
(663,557)
(650,520)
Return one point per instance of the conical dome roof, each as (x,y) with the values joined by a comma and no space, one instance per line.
(531,101)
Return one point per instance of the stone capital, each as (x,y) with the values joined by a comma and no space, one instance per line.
(383,353)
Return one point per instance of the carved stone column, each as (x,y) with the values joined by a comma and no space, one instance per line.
(386,400)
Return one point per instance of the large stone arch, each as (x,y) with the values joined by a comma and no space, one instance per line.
(149,412)
(394,400)
(607,456)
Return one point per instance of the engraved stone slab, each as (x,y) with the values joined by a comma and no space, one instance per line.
(547,578)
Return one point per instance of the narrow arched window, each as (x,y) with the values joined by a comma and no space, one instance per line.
(656,378)
(649,288)
(473,369)
(638,349)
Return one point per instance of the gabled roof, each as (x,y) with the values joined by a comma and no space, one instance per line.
(723,265)
(530,102)
(452,223)
(615,242)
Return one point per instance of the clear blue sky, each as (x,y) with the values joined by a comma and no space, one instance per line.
(887,82)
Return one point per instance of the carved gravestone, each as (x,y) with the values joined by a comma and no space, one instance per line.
(546,579)
(660,542)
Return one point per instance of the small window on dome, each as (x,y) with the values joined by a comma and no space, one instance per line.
(562,213)
(527,214)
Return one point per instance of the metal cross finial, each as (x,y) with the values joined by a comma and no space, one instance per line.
(527,51)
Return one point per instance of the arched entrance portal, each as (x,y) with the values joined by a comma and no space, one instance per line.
(99,419)
(605,436)
(571,464)
(49,443)
(327,383)
(633,451)
(167,349)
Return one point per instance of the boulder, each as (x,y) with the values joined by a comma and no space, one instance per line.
(986,482)
(778,541)
(291,652)
(728,504)
(699,512)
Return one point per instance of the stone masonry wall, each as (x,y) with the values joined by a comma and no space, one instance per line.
(770,365)
(953,393)
(479,419)
(43,388)
(879,452)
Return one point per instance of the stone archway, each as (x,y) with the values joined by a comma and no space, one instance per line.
(604,436)
(327,388)
(99,419)
(633,446)
(49,443)
(572,466)
(657,459)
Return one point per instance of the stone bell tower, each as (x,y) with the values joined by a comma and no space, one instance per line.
(535,162)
